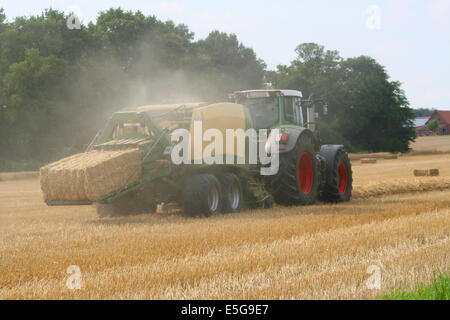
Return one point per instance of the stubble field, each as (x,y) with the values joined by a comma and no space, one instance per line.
(314,252)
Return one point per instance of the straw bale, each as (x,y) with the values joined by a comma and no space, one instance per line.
(420,173)
(368,160)
(87,176)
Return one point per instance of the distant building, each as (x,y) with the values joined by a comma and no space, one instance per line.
(443,118)
(420,126)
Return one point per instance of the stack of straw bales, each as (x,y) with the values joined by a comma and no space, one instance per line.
(87,176)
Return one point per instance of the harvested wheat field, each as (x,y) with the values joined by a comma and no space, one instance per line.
(433,144)
(313,252)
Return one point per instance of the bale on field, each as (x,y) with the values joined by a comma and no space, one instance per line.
(391,157)
(426,173)
(368,160)
(434,172)
(420,173)
(87,176)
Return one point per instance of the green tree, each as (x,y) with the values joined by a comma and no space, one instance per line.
(2,19)
(423,112)
(432,125)
(366,110)
(30,110)
(235,65)
(59,85)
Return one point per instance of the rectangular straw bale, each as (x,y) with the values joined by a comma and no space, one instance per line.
(87,176)
(368,160)
(433,172)
(426,173)
(49,176)
(420,173)
(111,171)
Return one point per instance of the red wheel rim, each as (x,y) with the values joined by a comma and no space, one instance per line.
(306,173)
(343,180)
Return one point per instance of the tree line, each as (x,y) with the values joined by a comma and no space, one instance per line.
(58,85)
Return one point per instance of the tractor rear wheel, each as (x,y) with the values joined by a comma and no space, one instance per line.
(339,185)
(202,195)
(297,180)
(231,192)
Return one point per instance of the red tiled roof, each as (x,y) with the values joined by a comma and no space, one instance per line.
(445,115)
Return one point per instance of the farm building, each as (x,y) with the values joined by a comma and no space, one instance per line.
(420,126)
(443,118)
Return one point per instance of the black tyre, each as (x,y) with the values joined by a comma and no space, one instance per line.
(202,196)
(339,180)
(231,192)
(127,206)
(297,180)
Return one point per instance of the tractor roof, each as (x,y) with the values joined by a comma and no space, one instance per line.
(289,93)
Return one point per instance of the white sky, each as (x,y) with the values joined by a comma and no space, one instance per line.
(411,38)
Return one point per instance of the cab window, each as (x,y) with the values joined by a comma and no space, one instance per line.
(292,110)
(264,111)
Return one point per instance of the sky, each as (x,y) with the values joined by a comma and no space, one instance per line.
(411,38)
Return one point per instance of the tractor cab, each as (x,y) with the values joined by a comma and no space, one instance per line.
(274,108)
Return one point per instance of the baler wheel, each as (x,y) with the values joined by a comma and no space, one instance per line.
(202,195)
(231,192)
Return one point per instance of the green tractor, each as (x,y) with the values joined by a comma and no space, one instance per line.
(307,172)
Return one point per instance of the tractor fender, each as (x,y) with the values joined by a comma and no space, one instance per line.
(294,135)
(329,152)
